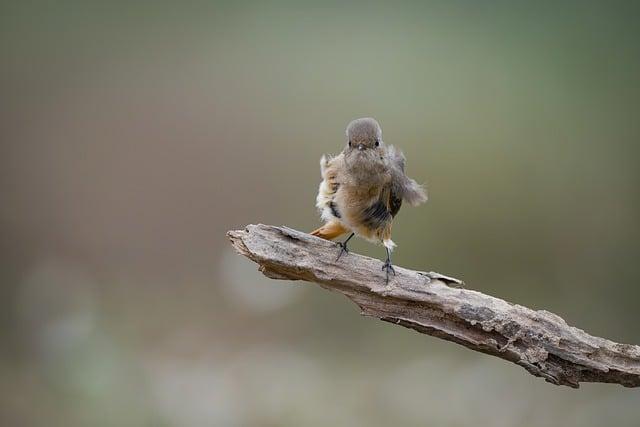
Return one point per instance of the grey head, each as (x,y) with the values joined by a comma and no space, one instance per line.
(364,134)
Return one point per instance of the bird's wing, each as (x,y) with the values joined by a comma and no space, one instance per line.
(380,213)
(396,158)
(395,202)
(403,186)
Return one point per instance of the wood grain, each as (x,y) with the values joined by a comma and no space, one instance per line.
(433,304)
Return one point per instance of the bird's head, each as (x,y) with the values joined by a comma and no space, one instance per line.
(364,137)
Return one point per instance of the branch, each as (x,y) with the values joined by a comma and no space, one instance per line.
(539,341)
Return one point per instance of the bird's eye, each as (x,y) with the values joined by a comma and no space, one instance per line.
(349,143)
(377,143)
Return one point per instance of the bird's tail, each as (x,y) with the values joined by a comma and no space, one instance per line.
(329,231)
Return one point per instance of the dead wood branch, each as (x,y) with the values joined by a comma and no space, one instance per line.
(433,304)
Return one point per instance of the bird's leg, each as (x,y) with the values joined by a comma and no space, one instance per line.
(387,265)
(343,246)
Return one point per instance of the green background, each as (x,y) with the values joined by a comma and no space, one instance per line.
(135,135)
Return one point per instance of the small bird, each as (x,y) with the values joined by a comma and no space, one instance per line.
(362,189)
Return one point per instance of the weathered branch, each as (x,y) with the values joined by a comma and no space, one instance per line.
(539,341)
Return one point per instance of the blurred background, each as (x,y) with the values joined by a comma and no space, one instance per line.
(135,134)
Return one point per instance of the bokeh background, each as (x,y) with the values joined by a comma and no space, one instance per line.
(134,135)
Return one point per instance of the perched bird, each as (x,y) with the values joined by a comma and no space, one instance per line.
(362,189)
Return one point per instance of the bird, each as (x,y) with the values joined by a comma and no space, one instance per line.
(363,188)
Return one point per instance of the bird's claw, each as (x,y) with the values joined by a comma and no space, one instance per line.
(343,250)
(389,268)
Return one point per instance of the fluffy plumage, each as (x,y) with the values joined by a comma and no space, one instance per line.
(363,187)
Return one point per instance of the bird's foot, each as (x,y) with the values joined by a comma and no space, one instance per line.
(343,247)
(343,250)
(388,267)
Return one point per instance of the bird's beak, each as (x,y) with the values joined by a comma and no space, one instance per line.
(361,147)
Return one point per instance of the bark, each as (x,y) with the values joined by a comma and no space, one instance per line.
(433,304)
